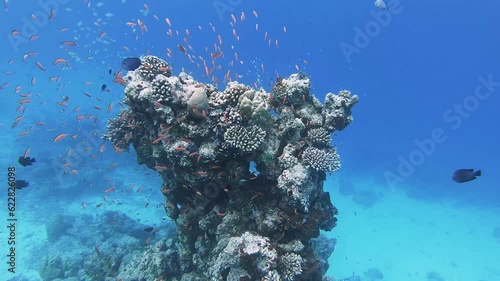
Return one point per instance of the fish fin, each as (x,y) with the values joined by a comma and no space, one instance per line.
(477,173)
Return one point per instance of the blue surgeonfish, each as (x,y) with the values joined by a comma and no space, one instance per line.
(131,63)
(465,175)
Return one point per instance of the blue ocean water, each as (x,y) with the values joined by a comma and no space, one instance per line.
(426,74)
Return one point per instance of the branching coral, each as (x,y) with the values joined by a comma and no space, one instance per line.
(122,130)
(152,66)
(326,160)
(319,137)
(290,266)
(245,138)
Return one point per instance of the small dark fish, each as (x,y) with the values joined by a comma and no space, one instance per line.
(131,64)
(110,71)
(20,184)
(148,229)
(465,175)
(26,161)
(103,87)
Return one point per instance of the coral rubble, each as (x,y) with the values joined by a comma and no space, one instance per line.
(242,170)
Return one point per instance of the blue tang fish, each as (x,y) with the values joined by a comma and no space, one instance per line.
(465,175)
(131,64)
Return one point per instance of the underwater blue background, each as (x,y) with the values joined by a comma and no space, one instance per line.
(426,59)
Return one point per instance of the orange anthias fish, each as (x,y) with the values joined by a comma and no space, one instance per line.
(26,153)
(59,60)
(216,55)
(39,65)
(52,14)
(60,137)
(181,48)
(69,43)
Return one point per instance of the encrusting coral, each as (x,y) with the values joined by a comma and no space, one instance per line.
(242,169)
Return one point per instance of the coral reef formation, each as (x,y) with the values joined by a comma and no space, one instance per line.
(102,247)
(242,170)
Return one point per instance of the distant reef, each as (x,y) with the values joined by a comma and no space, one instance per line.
(242,171)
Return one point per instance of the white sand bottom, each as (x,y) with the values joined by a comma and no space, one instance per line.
(405,239)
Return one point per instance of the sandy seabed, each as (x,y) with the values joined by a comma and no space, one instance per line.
(406,239)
